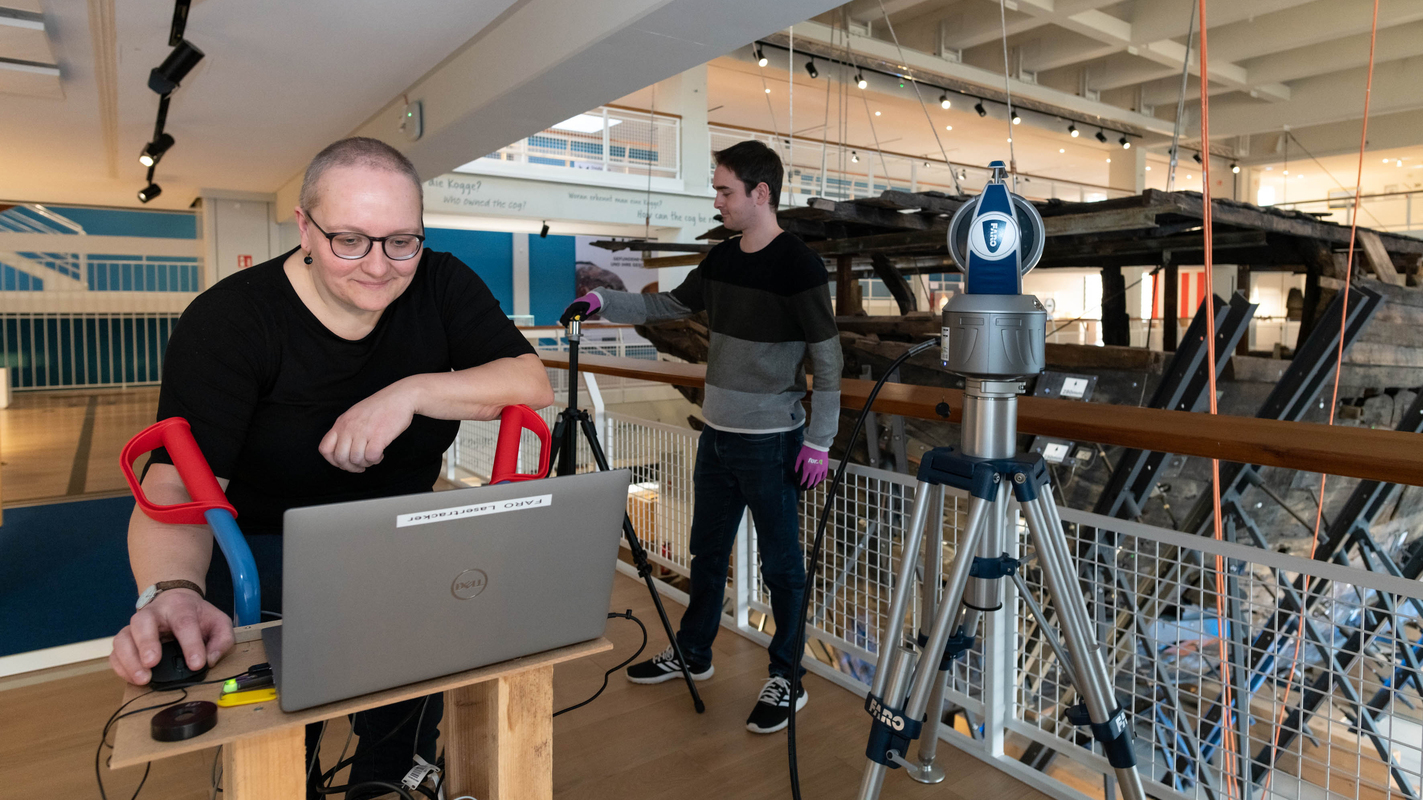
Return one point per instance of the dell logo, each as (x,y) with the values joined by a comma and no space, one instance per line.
(469,584)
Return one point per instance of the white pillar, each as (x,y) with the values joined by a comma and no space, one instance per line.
(521,274)
(1128,170)
(686,96)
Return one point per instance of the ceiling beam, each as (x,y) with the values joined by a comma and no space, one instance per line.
(1324,99)
(1321,22)
(547,60)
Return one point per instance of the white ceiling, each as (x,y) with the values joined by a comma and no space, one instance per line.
(280,80)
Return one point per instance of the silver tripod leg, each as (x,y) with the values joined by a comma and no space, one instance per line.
(926,771)
(1092,680)
(896,661)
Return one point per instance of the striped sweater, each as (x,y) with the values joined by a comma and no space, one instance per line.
(768,311)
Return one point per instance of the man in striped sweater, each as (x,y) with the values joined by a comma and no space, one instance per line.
(768,304)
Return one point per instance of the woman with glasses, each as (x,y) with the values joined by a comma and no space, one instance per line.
(338,371)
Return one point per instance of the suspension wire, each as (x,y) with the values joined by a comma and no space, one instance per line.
(1285,198)
(952,172)
(1008,90)
(1228,740)
(651,148)
(775,130)
(1334,398)
(1181,101)
(825,126)
(790,123)
(1326,171)
(871,117)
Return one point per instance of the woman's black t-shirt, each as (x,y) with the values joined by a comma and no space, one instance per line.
(261,381)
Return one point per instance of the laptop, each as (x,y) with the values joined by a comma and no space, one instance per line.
(382,593)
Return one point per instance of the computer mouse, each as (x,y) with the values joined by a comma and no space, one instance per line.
(172,670)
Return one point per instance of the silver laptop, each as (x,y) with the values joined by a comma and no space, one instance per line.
(382,593)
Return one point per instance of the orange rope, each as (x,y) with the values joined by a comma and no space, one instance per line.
(1228,740)
(1334,400)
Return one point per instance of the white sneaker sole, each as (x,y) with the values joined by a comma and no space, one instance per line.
(784,723)
(674,675)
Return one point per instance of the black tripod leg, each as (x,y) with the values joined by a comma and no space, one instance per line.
(639,559)
(556,444)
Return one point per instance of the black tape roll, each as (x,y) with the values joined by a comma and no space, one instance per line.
(184,721)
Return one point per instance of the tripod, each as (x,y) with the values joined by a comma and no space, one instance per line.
(993,336)
(563,458)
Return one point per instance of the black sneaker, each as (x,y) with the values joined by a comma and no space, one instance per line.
(773,708)
(665,667)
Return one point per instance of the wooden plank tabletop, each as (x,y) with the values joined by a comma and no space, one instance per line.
(1382,455)
(133,743)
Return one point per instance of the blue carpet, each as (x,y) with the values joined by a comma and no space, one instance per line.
(64,574)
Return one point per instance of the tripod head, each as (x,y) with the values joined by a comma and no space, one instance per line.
(991,330)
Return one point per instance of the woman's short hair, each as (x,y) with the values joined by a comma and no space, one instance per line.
(753,163)
(357,151)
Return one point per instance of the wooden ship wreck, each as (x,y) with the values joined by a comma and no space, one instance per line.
(899,233)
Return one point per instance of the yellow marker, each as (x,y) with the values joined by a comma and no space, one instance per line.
(247,698)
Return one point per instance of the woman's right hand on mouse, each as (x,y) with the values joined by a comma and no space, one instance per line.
(204,632)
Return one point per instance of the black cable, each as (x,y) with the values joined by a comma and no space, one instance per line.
(625,615)
(830,496)
(328,775)
(119,714)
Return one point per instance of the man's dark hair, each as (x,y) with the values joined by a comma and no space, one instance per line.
(753,163)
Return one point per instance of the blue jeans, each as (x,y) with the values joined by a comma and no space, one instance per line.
(736,471)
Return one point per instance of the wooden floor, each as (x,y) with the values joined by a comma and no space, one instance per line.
(633,742)
(62,445)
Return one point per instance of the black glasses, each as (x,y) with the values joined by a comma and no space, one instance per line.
(351,246)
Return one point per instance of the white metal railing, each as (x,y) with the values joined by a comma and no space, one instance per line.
(1398,212)
(614,140)
(843,172)
(1160,606)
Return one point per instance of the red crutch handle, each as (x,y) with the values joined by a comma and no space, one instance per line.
(176,436)
(513,421)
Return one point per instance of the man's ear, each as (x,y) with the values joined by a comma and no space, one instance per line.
(763,193)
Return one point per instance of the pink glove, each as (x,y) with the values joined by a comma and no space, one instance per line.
(813,465)
(584,307)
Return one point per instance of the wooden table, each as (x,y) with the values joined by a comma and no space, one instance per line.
(498,726)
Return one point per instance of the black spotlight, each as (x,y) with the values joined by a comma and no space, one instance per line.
(154,150)
(149,192)
(810,68)
(1072,130)
(860,80)
(761,59)
(1235,168)
(1016,119)
(543,232)
(1126,143)
(1102,137)
(982,112)
(944,101)
(1197,157)
(165,77)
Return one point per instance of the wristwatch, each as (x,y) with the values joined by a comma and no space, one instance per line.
(163,586)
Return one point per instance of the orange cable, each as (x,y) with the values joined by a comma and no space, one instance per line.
(1228,740)
(1334,401)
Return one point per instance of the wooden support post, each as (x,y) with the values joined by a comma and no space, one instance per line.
(895,282)
(847,299)
(1242,284)
(501,737)
(1318,262)
(1377,258)
(1171,306)
(265,766)
(1116,324)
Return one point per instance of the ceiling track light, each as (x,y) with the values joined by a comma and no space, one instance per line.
(154,150)
(1016,119)
(761,59)
(1102,136)
(1126,143)
(543,232)
(1072,131)
(854,157)
(860,80)
(944,102)
(810,68)
(1235,168)
(166,77)
(149,192)
(982,112)
(1197,158)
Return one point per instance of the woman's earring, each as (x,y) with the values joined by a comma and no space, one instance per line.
(307,259)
